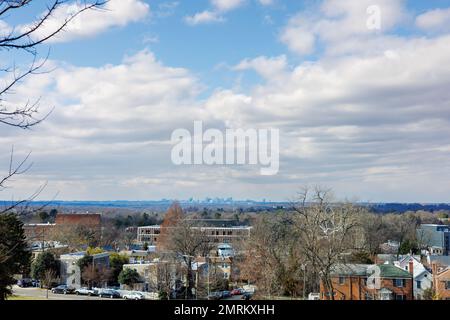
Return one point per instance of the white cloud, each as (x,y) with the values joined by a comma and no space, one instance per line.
(299,40)
(370,117)
(334,22)
(227,5)
(344,120)
(266,2)
(5,28)
(217,11)
(116,13)
(204,17)
(434,19)
(362,123)
(269,68)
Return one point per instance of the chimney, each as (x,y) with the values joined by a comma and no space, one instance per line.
(434,268)
(411,267)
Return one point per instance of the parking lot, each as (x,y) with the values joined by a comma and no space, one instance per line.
(40,294)
(32,293)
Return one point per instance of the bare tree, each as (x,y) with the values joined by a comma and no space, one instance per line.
(402,227)
(188,241)
(168,275)
(77,236)
(172,217)
(272,258)
(374,232)
(325,231)
(96,275)
(50,277)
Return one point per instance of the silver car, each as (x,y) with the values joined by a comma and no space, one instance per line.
(86,292)
(134,296)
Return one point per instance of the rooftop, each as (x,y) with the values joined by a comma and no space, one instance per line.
(386,270)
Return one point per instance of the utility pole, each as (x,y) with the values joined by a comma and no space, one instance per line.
(304,281)
(207,259)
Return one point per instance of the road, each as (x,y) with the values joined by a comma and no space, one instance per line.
(40,294)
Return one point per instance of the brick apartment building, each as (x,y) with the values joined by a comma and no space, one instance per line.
(350,282)
(85,219)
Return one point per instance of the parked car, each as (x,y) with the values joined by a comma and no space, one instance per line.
(226,294)
(314,296)
(35,283)
(63,289)
(86,291)
(215,296)
(25,283)
(237,292)
(246,296)
(109,293)
(134,296)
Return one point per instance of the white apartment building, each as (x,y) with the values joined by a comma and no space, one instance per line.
(150,234)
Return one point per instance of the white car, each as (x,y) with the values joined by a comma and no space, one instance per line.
(133,296)
(314,296)
(86,292)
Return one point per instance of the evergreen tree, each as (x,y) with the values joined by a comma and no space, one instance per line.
(14,254)
(44,262)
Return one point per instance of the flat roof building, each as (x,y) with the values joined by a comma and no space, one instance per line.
(150,234)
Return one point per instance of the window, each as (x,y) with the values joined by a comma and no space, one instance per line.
(399,283)
(419,284)
(447,285)
(341,280)
(400,297)
(368,296)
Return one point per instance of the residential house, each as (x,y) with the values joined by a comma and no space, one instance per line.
(147,272)
(423,278)
(139,256)
(441,281)
(390,246)
(358,282)
(439,260)
(217,265)
(435,237)
(153,273)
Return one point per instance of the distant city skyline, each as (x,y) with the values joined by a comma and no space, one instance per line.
(365,112)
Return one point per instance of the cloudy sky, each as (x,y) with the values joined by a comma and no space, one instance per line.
(365,111)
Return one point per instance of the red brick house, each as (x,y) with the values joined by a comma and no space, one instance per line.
(353,282)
